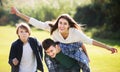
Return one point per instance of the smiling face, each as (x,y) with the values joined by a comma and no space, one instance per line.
(51,51)
(63,25)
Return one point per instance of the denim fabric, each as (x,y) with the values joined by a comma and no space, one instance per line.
(72,50)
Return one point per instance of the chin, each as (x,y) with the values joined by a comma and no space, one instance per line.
(52,56)
(61,31)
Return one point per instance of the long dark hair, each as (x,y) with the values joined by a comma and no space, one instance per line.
(70,20)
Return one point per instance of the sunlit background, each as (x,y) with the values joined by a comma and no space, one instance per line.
(100,20)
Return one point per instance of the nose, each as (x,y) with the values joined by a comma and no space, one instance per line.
(50,53)
(62,25)
(24,33)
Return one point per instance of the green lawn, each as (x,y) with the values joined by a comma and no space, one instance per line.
(101,59)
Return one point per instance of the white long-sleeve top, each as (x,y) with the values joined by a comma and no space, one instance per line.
(74,34)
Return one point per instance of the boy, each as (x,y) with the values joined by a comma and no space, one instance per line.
(62,57)
(25,53)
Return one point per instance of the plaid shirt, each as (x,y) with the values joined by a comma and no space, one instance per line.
(72,50)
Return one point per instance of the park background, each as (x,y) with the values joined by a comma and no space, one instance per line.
(100,20)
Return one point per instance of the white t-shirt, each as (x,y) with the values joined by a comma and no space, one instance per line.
(74,34)
(28,61)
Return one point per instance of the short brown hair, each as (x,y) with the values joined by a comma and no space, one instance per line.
(24,26)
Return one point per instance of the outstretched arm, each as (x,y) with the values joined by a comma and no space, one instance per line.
(96,43)
(86,39)
(32,21)
(19,14)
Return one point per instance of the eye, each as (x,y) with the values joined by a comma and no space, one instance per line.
(21,31)
(51,51)
(60,22)
(26,31)
(65,23)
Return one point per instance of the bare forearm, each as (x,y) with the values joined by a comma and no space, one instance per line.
(26,18)
(96,43)
(99,44)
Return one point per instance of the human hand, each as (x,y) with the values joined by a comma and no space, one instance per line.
(14,10)
(15,61)
(113,50)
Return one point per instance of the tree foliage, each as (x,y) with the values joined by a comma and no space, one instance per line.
(103,14)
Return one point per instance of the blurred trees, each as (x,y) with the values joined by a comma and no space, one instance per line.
(1,3)
(114,19)
(40,9)
(103,14)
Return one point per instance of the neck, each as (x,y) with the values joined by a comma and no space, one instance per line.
(65,34)
(24,41)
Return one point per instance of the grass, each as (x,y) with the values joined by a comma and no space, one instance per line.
(101,59)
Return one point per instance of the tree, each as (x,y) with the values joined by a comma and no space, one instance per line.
(1,3)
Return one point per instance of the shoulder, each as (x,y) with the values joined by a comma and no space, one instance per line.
(74,30)
(55,33)
(16,42)
(33,39)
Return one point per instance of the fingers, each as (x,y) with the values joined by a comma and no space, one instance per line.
(113,50)
(13,10)
(15,61)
